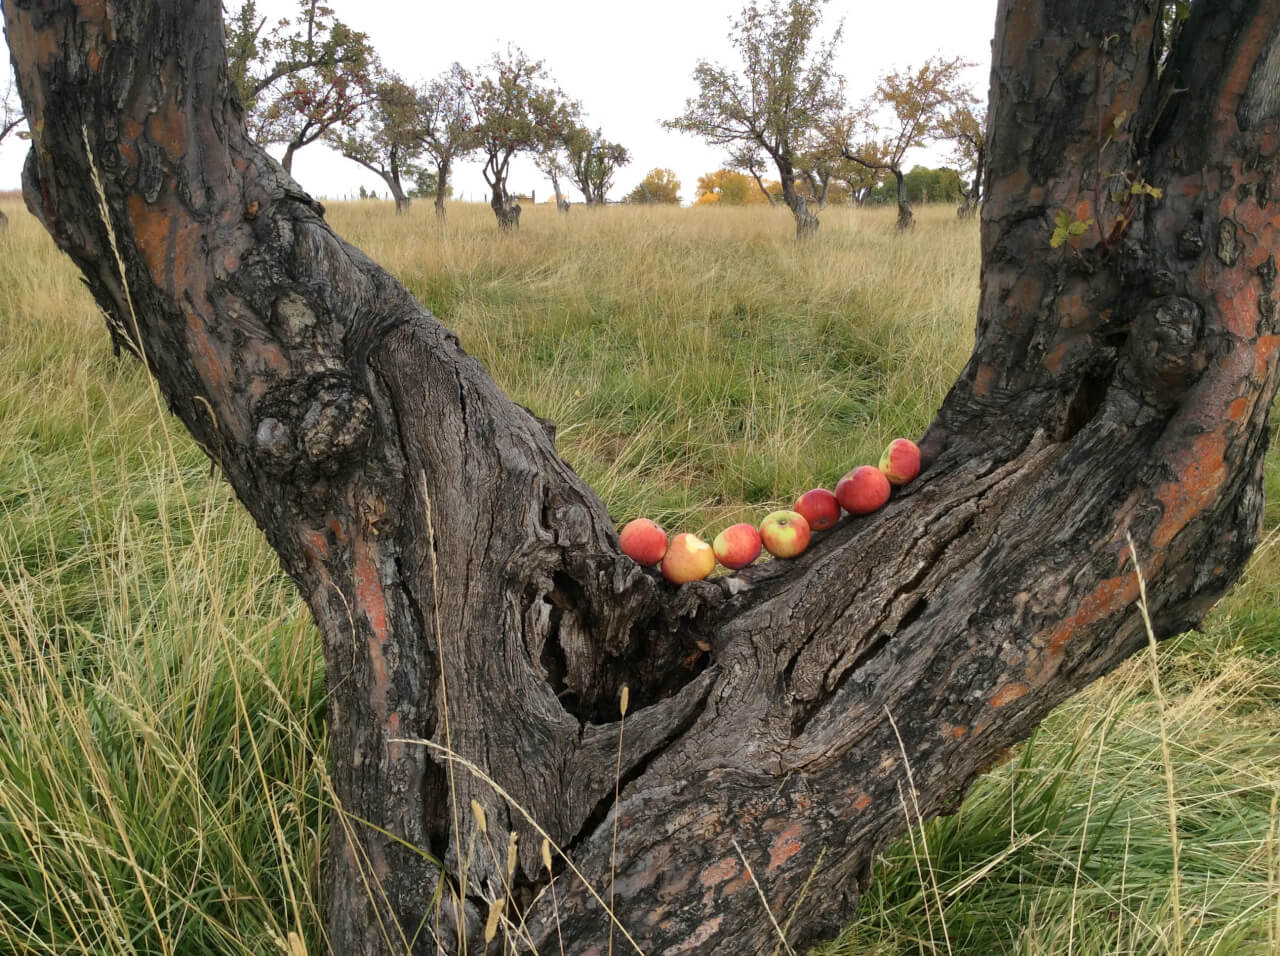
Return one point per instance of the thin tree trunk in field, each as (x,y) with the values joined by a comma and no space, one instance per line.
(904,207)
(442,186)
(468,587)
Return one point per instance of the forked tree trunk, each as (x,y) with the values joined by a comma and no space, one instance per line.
(468,587)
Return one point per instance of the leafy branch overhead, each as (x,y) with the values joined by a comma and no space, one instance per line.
(301,77)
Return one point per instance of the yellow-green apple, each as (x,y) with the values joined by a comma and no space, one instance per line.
(785,533)
(819,508)
(643,541)
(737,545)
(900,461)
(863,490)
(689,558)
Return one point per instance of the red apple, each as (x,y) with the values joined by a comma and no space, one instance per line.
(643,541)
(900,461)
(863,490)
(688,559)
(785,534)
(737,545)
(819,508)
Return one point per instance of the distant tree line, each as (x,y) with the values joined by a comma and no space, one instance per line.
(731,187)
(310,78)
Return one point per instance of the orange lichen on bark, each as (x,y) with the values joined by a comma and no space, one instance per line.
(1201,470)
(316,546)
(1239,308)
(208,360)
(1008,694)
(983,381)
(1053,360)
(1108,597)
(699,936)
(786,845)
(168,239)
(370,600)
(1024,298)
(721,871)
(1263,353)
(167,128)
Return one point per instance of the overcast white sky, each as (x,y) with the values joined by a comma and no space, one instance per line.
(628,64)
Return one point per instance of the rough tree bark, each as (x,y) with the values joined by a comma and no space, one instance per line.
(468,587)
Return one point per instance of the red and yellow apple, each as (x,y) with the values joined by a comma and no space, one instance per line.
(900,461)
(688,558)
(737,545)
(785,533)
(863,490)
(819,507)
(643,541)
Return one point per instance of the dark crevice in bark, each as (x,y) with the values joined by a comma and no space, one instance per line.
(600,814)
(1088,400)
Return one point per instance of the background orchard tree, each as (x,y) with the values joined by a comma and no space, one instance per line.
(391,134)
(905,112)
(449,124)
(517,109)
(965,124)
(659,185)
(776,98)
(553,163)
(593,161)
(474,608)
(301,77)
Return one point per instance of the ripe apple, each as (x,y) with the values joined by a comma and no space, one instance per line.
(819,508)
(900,461)
(785,534)
(737,545)
(689,558)
(863,490)
(643,541)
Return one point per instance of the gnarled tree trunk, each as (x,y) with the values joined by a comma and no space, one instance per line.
(806,222)
(468,587)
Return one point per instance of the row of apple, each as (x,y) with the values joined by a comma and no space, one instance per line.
(784,534)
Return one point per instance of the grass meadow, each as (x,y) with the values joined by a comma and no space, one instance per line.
(162,742)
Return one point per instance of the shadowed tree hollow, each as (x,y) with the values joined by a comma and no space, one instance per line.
(468,586)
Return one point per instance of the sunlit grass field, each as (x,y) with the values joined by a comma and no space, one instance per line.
(162,749)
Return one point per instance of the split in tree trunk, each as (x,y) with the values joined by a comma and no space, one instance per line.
(478,620)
